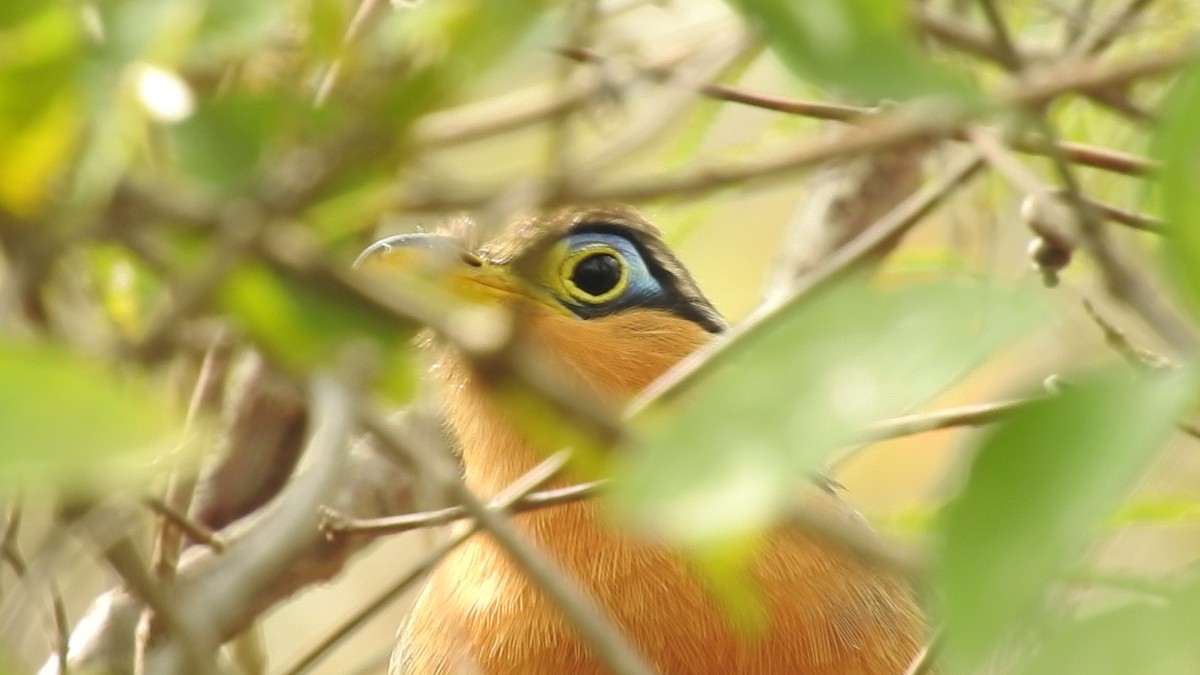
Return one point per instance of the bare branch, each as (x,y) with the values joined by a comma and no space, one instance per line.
(262,440)
(196,530)
(337,525)
(964,37)
(1116,338)
(1087,155)
(611,648)
(519,489)
(1120,278)
(253,562)
(194,638)
(901,218)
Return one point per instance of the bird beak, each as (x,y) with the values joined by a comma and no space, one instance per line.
(445,259)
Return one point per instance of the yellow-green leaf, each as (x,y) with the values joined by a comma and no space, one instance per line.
(69,421)
(724,461)
(1177,144)
(1039,488)
(862,46)
(303,324)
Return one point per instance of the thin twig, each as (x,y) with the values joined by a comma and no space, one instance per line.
(280,535)
(367,9)
(908,124)
(1119,278)
(11,554)
(1045,84)
(925,659)
(196,530)
(181,488)
(197,644)
(966,38)
(1080,153)
(1110,30)
(1009,55)
(1127,217)
(520,488)
(336,524)
(1116,338)
(8,541)
(533,105)
(904,216)
(62,629)
(610,647)
(962,416)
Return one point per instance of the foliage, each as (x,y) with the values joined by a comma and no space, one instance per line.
(185,179)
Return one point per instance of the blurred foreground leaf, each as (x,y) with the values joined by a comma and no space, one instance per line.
(863,47)
(39,102)
(226,141)
(302,324)
(15,11)
(232,29)
(1039,488)
(1177,143)
(66,420)
(731,457)
(1142,638)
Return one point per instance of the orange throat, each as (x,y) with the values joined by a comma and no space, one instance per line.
(611,358)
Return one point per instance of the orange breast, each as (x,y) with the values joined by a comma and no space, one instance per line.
(828,614)
(479,614)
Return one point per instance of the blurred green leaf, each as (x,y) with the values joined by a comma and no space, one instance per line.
(127,289)
(863,47)
(449,46)
(1142,638)
(13,12)
(302,323)
(66,420)
(136,34)
(226,141)
(233,28)
(731,456)
(1038,489)
(39,111)
(326,26)
(1177,144)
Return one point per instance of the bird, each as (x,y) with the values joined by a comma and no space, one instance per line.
(612,308)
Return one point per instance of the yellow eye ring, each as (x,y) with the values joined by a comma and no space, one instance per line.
(573,281)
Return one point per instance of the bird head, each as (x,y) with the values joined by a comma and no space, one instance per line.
(595,287)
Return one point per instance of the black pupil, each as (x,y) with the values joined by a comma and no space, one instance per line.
(598,274)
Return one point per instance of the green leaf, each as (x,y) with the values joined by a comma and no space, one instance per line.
(226,141)
(1039,488)
(127,289)
(13,12)
(862,46)
(302,323)
(1177,144)
(39,106)
(730,456)
(451,44)
(232,28)
(1147,639)
(68,421)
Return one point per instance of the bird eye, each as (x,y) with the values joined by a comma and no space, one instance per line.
(595,276)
